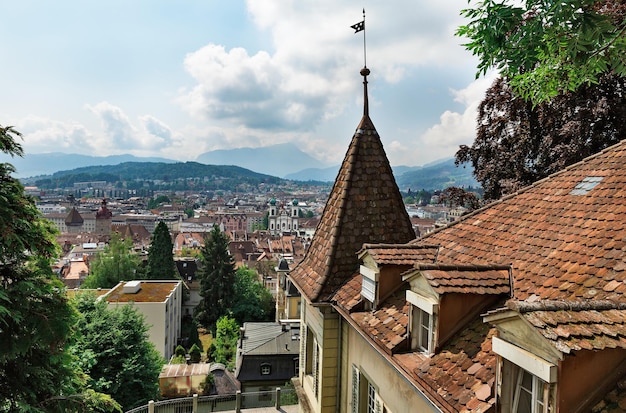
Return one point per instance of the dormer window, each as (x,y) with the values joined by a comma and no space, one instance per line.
(266,369)
(369,284)
(422,321)
(527,380)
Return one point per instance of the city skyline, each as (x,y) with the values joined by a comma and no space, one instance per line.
(177,79)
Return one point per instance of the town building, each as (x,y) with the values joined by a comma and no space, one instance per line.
(283,218)
(160,301)
(517,307)
(267,356)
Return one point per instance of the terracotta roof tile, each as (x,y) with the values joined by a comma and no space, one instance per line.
(470,279)
(463,372)
(363,206)
(559,244)
(400,254)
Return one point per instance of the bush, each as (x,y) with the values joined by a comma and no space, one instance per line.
(180,351)
(195,354)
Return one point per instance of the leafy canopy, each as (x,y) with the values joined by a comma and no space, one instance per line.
(517,143)
(115,351)
(116,263)
(547,47)
(253,302)
(37,372)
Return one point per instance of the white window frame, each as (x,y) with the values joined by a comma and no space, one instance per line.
(537,393)
(423,320)
(266,369)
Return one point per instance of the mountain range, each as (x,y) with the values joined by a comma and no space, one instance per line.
(281,160)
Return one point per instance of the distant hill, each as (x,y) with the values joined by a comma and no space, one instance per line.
(36,164)
(437,176)
(276,160)
(189,173)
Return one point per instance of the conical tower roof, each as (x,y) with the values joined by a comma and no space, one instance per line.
(364,206)
(74,218)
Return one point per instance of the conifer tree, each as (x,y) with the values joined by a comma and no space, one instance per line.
(161,264)
(217,279)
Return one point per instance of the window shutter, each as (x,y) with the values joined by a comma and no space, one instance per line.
(316,360)
(303,337)
(378,404)
(355,389)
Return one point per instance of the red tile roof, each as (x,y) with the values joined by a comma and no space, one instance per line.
(364,206)
(462,373)
(469,279)
(561,246)
(403,254)
(564,239)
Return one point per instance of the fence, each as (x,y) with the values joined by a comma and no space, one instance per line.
(235,402)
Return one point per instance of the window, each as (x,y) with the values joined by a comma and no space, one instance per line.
(266,369)
(423,321)
(422,327)
(529,393)
(312,360)
(365,397)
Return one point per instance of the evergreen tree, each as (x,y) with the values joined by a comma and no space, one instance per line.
(116,352)
(117,263)
(217,279)
(37,372)
(161,264)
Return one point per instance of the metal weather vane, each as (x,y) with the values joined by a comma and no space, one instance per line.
(360,27)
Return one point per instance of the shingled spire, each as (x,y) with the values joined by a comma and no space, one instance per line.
(364,206)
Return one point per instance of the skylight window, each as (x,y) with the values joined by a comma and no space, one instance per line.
(586,185)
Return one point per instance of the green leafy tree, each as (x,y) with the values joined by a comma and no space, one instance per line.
(253,302)
(217,279)
(37,372)
(116,352)
(226,341)
(518,143)
(156,202)
(544,47)
(117,263)
(160,254)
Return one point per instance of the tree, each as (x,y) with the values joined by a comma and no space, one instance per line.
(455,197)
(37,372)
(253,302)
(226,341)
(117,263)
(116,352)
(517,143)
(544,47)
(161,264)
(217,279)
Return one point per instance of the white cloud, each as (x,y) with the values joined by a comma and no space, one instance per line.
(46,135)
(456,128)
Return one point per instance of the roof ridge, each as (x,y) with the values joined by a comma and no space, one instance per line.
(462,267)
(561,305)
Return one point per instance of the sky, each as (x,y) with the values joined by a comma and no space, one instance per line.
(177,78)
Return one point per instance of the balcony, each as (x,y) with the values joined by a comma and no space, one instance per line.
(277,400)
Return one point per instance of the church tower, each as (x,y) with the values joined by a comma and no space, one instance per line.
(104,218)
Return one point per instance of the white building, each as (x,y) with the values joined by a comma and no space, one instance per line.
(160,301)
(283,218)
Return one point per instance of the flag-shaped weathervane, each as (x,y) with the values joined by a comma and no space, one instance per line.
(360,27)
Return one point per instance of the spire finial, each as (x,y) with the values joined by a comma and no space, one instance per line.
(360,27)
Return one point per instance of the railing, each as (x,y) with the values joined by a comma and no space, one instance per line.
(235,402)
